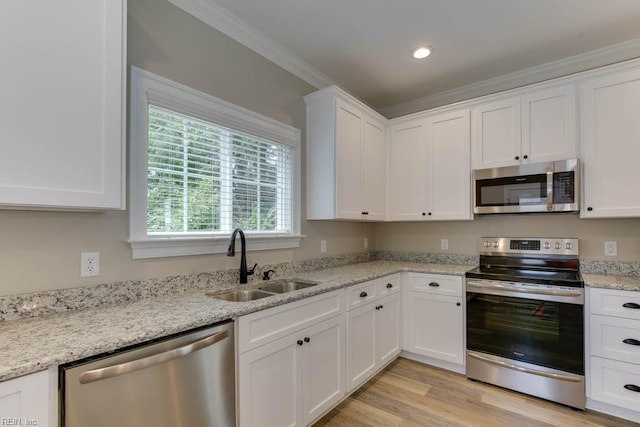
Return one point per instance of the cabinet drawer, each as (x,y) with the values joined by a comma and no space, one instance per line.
(435,284)
(615,338)
(613,302)
(613,382)
(259,328)
(388,285)
(361,294)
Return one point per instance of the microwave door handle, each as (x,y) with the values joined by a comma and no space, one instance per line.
(549,189)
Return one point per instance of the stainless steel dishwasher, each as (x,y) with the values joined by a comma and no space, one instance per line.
(184,380)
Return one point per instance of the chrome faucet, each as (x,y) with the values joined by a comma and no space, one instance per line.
(243,257)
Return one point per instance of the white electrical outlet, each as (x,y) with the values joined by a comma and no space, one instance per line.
(323,246)
(89,264)
(366,243)
(611,248)
(444,244)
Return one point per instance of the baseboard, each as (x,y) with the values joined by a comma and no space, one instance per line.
(434,362)
(616,411)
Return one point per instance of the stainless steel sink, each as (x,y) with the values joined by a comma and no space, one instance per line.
(242,296)
(284,286)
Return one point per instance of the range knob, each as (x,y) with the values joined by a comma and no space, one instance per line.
(487,243)
(547,245)
(495,244)
(557,245)
(568,245)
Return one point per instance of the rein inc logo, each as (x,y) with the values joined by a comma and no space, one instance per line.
(18,421)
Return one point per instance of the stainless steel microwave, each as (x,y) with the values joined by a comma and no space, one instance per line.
(535,187)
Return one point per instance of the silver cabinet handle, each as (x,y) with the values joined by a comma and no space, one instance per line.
(156,359)
(526,370)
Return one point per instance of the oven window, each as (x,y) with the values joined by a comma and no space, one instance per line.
(513,191)
(543,333)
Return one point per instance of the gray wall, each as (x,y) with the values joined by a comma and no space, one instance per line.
(41,250)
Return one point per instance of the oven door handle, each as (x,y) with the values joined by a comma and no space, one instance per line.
(508,288)
(570,378)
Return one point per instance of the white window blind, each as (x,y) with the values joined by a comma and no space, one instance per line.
(203,178)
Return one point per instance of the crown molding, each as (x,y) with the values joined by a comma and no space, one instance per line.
(222,20)
(573,64)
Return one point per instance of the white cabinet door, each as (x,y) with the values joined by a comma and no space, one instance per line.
(496,135)
(449,166)
(374,171)
(610,108)
(348,162)
(322,368)
(388,329)
(62,104)
(361,344)
(549,125)
(346,158)
(25,400)
(270,384)
(434,326)
(408,171)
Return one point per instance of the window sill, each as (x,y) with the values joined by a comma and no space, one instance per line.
(179,246)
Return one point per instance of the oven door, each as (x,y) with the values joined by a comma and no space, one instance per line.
(534,329)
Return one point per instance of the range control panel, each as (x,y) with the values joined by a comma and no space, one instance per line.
(524,245)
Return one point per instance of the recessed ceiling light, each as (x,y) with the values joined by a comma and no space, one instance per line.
(422,52)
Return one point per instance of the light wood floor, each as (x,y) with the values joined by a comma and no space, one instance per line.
(410,394)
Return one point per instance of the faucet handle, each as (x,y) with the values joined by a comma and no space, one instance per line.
(252,269)
(265,275)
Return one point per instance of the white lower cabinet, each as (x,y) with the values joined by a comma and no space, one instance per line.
(614,325)
(434,317)
(373,329)
(294,379)
(27,400)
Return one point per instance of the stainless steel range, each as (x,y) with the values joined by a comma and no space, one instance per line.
(525,318)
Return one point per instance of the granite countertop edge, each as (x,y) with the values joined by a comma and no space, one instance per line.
(31,345)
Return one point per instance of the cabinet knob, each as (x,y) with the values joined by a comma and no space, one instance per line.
(517,157)
(377,307)
(631,341)
(631,305)
(389,286)
(429,213)
(458,304)
(363,213)
(589,208)
(307,339)
(632,387)
(300,342)
(525,157)
(434,284)
(424,214)
(363,294)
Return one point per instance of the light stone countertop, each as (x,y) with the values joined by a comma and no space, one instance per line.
(31,345)
(610,281)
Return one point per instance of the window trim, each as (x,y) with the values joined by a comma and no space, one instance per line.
(148,88)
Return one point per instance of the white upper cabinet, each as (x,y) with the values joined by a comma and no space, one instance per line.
(430,172)
(62,104)
(610,118)
(408,176)
(449,166)
(346,164)
(539,126)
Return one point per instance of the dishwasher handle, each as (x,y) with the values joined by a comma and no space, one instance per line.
(156,359)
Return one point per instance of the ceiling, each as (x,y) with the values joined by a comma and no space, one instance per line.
(365,46)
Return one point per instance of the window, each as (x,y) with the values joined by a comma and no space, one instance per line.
(201,167)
